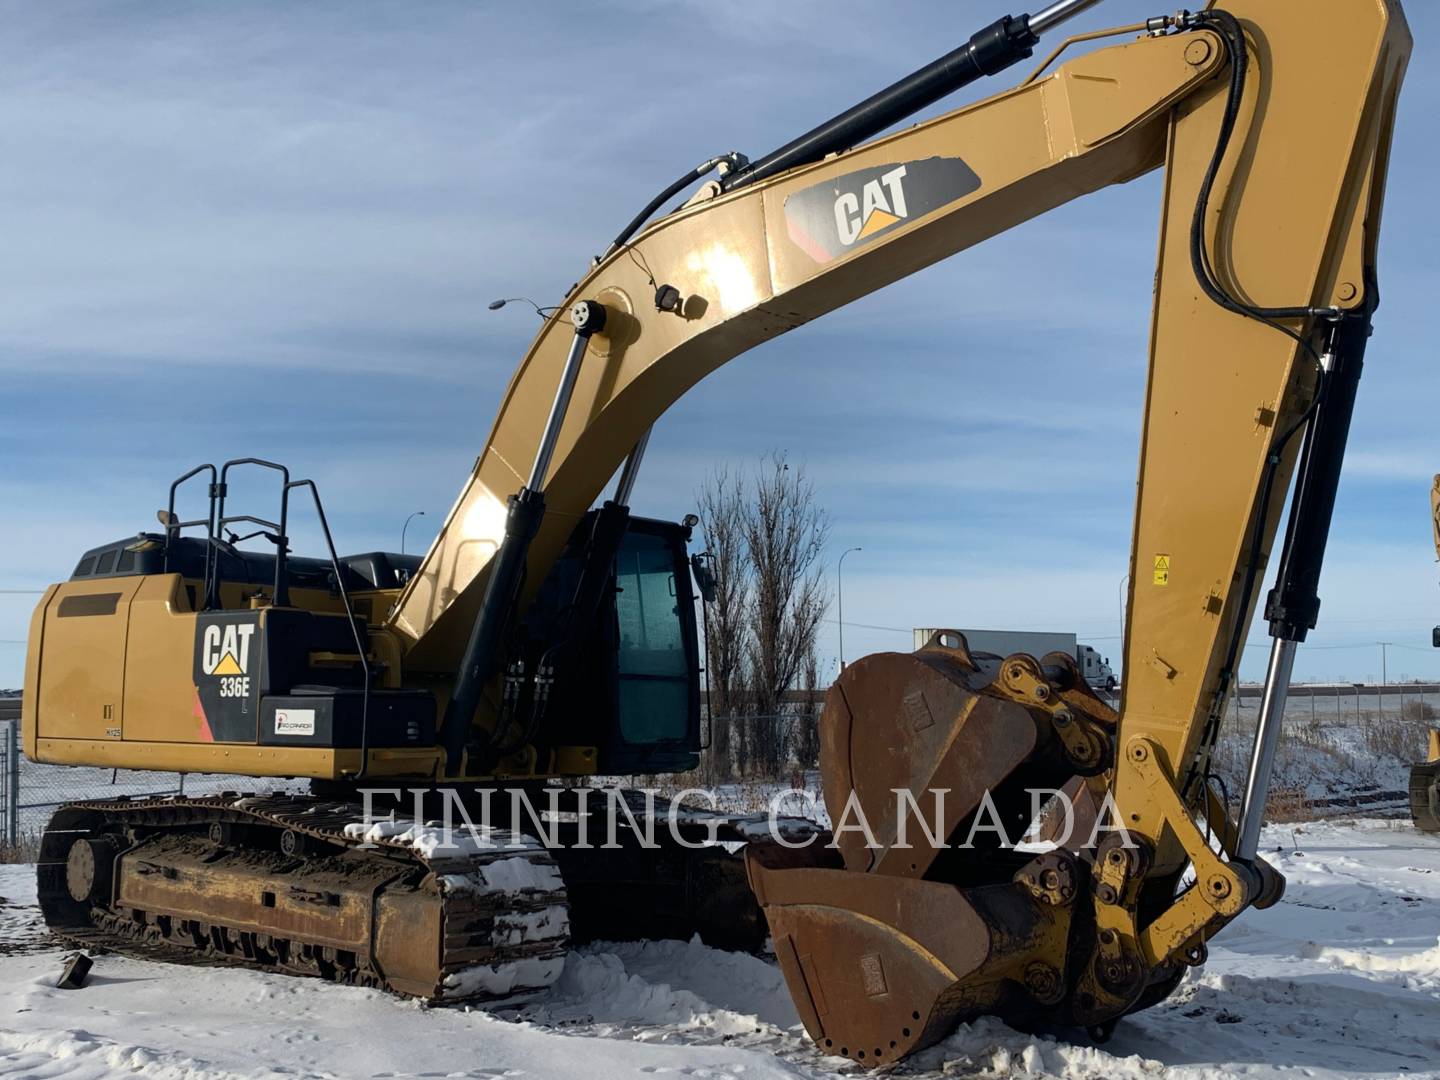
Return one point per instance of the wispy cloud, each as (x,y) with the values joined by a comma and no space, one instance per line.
(264,227)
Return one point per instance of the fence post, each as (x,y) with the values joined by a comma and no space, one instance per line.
(12,784)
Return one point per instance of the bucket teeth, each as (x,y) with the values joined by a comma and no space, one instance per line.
(882,966)
(921,913)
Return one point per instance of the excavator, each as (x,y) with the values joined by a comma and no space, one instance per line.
(1425,775)
(545,641)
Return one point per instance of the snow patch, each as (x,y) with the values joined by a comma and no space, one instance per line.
(671,985)
(432,838)
(518,927)
(1426,962)
(517,874)
(1341,979)
(497,980)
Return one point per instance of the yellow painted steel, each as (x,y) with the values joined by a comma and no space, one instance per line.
(1435,515)
(1295,221)
(237,759)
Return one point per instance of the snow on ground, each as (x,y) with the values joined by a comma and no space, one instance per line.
(1342,979)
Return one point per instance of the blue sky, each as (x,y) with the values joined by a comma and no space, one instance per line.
(273,229)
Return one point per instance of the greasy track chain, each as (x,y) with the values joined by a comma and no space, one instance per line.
(471,935)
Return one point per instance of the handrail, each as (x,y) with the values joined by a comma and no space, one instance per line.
(173,525)
(281,591)
(360,645)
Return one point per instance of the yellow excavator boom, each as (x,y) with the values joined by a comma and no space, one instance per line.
(1293,221)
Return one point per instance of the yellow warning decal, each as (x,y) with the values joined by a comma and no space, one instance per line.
(228,666)
(1162,569)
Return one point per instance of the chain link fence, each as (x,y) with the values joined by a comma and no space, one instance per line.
(1345,749)
(31,792)
(1355,741)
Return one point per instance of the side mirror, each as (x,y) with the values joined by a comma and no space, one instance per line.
(167,519)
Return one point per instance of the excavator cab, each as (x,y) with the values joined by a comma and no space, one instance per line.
(635,662)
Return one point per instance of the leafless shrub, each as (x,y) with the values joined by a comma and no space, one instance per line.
(1402,736)
(1290,804)
(25,851)
(1421,712)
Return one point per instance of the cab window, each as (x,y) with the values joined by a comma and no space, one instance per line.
(653,666)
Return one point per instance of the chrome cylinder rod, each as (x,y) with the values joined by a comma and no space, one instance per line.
(1262,756)
(588,318)
(626,484)
(1052,16)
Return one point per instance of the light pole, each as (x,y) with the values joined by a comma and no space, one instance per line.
(840,599)
(417,513)
(1384,675)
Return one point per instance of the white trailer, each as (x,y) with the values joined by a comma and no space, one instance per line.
(1094,666)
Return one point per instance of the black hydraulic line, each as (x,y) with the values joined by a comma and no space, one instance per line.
(361,647)
(486,645)
(507,574)
(1293,605)
(732,160)
(1004,42)
(1232,34)
(576,625)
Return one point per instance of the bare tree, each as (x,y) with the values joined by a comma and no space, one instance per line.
(722,522)
(765,539)
(785,534)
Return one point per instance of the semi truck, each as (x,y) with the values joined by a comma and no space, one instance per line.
(1095,667)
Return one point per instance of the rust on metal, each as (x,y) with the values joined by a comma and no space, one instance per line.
(213,880)
(917,918)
